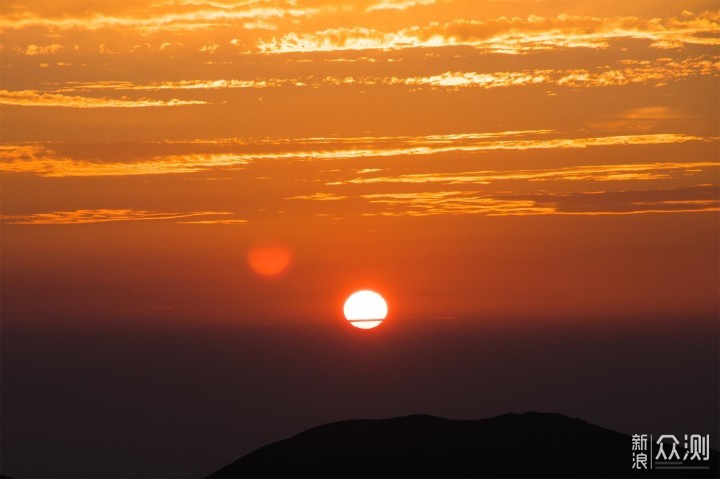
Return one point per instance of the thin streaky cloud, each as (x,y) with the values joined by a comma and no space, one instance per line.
(700,199)
(508,35)
(620,172)
(656,73)
(319,197)
(652,113)
(213,222)
(43,161)
(398,4)
(451,203)
(220,84)
(204,17)
(35,98)
(88,216)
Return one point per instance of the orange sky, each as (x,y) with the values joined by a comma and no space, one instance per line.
(479,160)
(533,186)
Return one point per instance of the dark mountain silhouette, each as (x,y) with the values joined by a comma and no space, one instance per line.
(512,445)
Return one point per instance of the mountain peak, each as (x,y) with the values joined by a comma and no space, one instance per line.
(529,444)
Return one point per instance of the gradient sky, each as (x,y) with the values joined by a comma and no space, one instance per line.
(539,170)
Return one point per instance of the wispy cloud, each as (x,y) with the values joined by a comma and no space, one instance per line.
(603,173)
(37,98)
(142,17)
(451,203)
(657,73)
(46,160)
(398,4)
(639,119)
(214,222)
(681,200)
(319,197)
(651,113)
(220,84)
(43,161)
(509,35)
(106,216)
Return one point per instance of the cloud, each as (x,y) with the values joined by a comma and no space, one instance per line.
(48,160)
(651,113)
(398,4)
(656,73)
(705,198)
(32,50)
(509,35)
(219,84)
(144,16)
(319,197)
(213,222)
(451,203)
(103,216)
(43,161)
(639,119)
(702,198)
(602,173)
(41,99)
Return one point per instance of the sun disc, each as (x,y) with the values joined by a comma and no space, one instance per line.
(365,309)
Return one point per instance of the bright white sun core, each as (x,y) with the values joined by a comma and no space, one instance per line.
(365,309)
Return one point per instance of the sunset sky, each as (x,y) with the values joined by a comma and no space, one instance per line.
(525,168)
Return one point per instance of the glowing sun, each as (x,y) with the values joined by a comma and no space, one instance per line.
(365,309)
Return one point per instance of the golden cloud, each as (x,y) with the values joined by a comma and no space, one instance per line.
(144,16)
(509,35)
(398,4)
(32,50)
(103,216)
(621,172)
(42,159)
(38,99)
(45,162)
(697,199)
(319,197)
(656,73)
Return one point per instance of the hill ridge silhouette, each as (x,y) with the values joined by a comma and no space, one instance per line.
(529,444)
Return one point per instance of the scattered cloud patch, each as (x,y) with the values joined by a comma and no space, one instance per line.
(33,50)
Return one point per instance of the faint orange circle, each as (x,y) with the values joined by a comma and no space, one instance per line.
(269,260)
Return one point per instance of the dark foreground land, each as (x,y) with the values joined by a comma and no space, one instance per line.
(511,445)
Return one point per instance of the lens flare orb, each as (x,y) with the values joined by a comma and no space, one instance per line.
(269,261)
